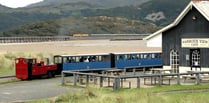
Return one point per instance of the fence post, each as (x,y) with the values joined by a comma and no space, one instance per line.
(144,69)
(134,71)
(108,81)
(124,70)
(75,79)
(87,80)
(160,79)
(116,83)
(178,79)
(101,81)
(197,78)
(138,82)
(121,80)
(95,80)
(129,84)
(63,79)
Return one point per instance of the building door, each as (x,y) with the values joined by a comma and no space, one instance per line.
(174,61)
(195,59)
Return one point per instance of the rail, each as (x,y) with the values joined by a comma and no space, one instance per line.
(118,79)
(8,76)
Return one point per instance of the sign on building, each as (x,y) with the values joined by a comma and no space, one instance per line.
(195,42)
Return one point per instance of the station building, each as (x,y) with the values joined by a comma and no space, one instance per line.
(185,42)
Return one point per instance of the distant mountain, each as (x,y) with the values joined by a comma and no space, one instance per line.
(101,3)
(54,9)
(158,12)
(4,8)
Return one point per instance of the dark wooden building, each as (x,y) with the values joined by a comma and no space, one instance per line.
(185,42)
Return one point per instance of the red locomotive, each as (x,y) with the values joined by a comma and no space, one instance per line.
(27,68)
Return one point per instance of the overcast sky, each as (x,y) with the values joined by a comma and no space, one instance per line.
(17,3)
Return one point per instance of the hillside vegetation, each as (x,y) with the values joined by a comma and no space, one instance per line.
(90,25)
(158,94)
(101,3)
(158,12)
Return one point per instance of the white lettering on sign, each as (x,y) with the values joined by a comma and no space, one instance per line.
(195,42)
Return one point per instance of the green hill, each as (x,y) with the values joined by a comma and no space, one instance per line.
(158,12)
(89,25)
(162,12)
(101,3)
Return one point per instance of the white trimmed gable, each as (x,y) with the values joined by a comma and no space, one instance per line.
(155,39)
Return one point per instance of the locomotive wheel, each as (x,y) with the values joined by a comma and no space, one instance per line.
(49,74)
(53,74)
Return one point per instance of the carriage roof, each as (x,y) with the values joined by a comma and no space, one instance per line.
(103,54)
(118,53)
(97,54)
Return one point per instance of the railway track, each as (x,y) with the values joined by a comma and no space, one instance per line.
(7,79)
(7,76)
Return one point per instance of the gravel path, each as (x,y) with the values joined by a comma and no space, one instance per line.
(31,90)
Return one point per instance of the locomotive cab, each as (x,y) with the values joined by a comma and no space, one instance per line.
(23,68)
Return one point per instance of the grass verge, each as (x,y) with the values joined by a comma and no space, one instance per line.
(158,94)
(7,60)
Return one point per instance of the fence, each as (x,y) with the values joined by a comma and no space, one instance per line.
(119,79)
(33,39)
(66,38)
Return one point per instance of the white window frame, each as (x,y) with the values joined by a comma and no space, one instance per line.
(174,61)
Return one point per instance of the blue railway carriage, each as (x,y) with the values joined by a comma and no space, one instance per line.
(84,62)
(138,59)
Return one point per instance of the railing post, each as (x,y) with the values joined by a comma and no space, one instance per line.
(124,71)
(138,82)
(108,81)
(121,80)
(178,79)
(129,84)
(144,69)
(63,79)
(134,71)
(160,79)
(116,84)
(197,78)
(101,81)
(74,79)
(87,80)
(95,80)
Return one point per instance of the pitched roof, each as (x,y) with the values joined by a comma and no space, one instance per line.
(201,6)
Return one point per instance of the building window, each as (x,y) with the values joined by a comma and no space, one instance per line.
(174,61)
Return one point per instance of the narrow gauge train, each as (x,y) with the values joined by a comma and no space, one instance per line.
(93,62)
(26,68)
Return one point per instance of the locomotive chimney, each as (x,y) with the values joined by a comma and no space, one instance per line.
(47,61)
